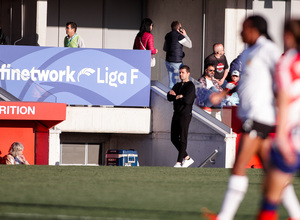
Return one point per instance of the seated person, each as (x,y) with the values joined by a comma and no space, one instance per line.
(208,85)
(232,95)
(15,155)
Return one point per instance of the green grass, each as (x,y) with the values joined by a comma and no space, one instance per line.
(71,192)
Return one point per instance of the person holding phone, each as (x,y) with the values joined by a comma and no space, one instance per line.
(174,42)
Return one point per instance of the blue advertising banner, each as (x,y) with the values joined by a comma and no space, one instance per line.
(76,76)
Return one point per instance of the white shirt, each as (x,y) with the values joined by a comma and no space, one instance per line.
(209,83)
(255,87)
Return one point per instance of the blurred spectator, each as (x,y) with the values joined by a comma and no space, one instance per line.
(15,155)
(218,59)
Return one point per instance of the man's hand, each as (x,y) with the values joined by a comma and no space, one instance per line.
(182,31)
(172,92)
(179,96)
(220,81)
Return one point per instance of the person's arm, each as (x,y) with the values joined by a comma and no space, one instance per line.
(186,41)
(80,43)
(221,81)
(9,160)
(150,45)
(189,96)
(171,95)
(23,160)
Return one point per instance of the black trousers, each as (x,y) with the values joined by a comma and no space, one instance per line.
(179,134)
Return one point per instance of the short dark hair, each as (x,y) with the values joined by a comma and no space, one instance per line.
(208,65)
(175,25)
(186,67)
(73,25)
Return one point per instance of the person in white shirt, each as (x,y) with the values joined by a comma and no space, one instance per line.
(256,110)
(208,85)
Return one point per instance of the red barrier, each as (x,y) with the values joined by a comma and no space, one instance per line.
(29,123)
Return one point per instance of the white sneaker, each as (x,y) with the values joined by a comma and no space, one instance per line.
(177,165)
(187,163)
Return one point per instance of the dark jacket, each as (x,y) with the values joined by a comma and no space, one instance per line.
(173,47)
(184,105)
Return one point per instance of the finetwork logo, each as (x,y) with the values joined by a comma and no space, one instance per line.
(113,79)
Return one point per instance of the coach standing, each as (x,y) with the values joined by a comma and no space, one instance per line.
(182,95)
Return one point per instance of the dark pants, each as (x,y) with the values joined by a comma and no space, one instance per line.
(179,134)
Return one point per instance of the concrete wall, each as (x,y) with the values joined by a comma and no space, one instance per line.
(94,125)
(189,13)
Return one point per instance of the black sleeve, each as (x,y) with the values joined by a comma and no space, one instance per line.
(172,98)
(189,94)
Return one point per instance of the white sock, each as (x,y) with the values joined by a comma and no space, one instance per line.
(236,190)
(290,202)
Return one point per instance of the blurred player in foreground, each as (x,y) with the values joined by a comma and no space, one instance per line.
(256,110)
(285,152)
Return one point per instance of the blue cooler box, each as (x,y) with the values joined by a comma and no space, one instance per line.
(127,158)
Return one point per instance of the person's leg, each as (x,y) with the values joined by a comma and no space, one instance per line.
(175,132)
(275,183)
(173,72)
(184,124)
(278,188)
(238,181)
(291,202)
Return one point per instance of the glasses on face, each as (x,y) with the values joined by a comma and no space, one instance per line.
(211,70)
(235,76)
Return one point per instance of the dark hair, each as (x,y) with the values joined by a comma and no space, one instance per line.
(293,26)
(73,25)
(206,66)
(145,26)
(260,24)
(209,64)
(186,67)
(175,25)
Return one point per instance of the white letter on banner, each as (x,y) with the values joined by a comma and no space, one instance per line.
(15,72)
(3,70)
(133,76)
(2,110)
(32,72)
(53,75)
(43,76)
(61,75)
(31,110)
(106,75)
(23,110)
(69,76)
(13,109)
(124,76)
(98,76)
(113,78)
(25,74)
